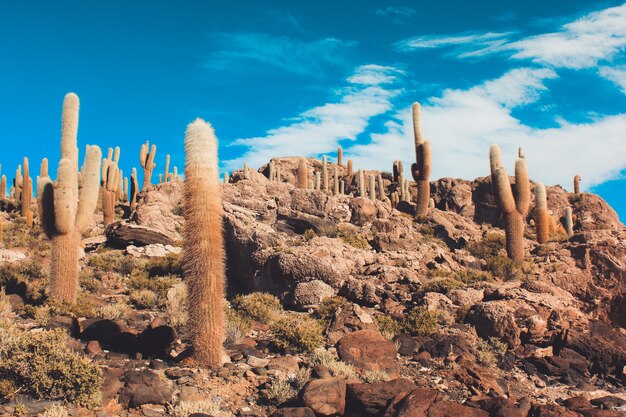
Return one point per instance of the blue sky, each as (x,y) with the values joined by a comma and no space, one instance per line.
(286,78)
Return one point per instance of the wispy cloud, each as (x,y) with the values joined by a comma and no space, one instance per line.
(321,128)
(397,14)
(583,43)
(462,45)
(463,123)
(241,50)
(615,74)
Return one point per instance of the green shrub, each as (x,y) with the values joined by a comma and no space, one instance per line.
(327,309)
(238,325)
(441,285)
(113,260)
(258,306)
(169,265)
(471,276)
(491,245)
(298,333)
(44,366)
(352,237)
(491,351)
(420,321)
(389,327)
(159,285)
(144,299)
(309,234)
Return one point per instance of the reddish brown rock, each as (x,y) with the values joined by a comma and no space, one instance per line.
(372,399)
(326,397)
(369,350)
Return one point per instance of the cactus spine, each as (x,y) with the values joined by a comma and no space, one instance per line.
(340,156)
(146,160)
(66,211)
(569,223)
(27,195)
(421,168)
(577,184)
(203,244)
(303,173)
(515,208)
(542,218)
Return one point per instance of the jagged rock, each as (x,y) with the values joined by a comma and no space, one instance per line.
(144,387)
(495,319)
(372,399)
(427,403)
(368,350)
(349,319)
(124,234)
(326,397)
(159,207)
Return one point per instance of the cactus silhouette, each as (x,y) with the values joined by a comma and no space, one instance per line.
(421,168)
(515,208)
(67,211)
(203,245)
(542,218)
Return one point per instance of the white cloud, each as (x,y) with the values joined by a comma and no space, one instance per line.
(583,43)
(242,50)
(397,14)
(616,74)
(321,128)
(463,123)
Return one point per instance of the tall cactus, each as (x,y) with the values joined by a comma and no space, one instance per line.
(146,160)
(109,189)
(318,181)
(361,183)
(27,195)
(381,188)
(350,172)
(335,181)
(166,174)
(134,189)
(577,184)
(66,210)
(515,208)
(340,156)
(3,187)
(569,223)
(324,174)
(303,172)
(542,218)
(421,168)
(43,168)
(372,187)
(203,244)
(398,171)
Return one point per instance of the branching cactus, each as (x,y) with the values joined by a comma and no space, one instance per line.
(541,215)
(27,195)
(203,245)
(146,160)
(495,162)
(340,156)
(395,199)
(569,223)
(421,168)
(577,184)
(303,173)
(66,211)
(515,208)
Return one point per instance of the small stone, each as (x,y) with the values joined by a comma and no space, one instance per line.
(257,362)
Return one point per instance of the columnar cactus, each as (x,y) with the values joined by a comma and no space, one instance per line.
(381,188)
(335,181)
(226,178)
(324,174)
(43,168)
(318,181)
(372,187)
(520,153)
(342,187)
(303,173)
(421,168)
(495,162)
(110,184)
(175,172)
(203,244)
(515,208)
(272,174)
(541,215)
(577,184)
(166,174)
(340,156)
(405,190)
(569,223)
(431,203)
(66,210)
(134,189)
(398,171)
(361,183)
(277,179)
(18,182)
(27,195)
(350,169)
(146,160)
(3,187)
(395,199)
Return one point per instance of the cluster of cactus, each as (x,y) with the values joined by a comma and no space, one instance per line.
(110,185)
(421,168)
(203,246)
(66,211)
(514,206)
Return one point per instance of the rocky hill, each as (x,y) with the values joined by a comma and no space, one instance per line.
(338,305)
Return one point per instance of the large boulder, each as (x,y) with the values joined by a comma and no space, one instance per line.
(144,387)
(326,397)
(368,350)
(372,399)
